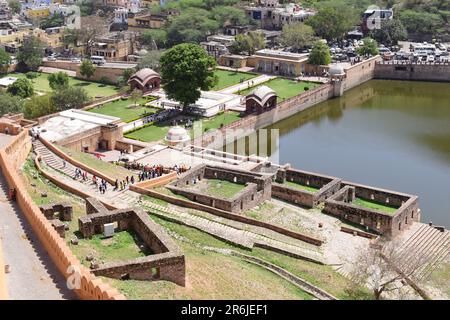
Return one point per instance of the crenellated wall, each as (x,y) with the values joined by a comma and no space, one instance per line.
(90,287)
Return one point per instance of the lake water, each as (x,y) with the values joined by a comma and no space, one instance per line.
(388,134)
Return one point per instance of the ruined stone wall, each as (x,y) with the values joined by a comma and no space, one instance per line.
(413,71)
(389,224)
(327,186)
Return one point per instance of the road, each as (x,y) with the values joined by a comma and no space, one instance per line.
(33,275)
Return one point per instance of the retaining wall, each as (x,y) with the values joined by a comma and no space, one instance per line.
(90,287)
(3,289)
(439,72)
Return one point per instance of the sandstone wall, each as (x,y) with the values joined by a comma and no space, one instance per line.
(413,71)
(360,73)
(90,286)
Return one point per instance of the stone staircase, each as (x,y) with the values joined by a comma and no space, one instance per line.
(243,238)
(56,163)
(422,252)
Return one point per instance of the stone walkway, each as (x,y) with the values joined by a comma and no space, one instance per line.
(247,84)
(33,275)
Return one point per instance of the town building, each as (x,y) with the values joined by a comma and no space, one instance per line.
(280,62)
(114,46)
(270,14)
(373,17)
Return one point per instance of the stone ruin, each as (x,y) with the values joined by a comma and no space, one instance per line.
(57,214)
(257,187)
(166,262)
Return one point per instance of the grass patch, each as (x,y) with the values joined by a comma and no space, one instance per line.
(110,169)
(284,88)
(374,205)
(124,245)
(218,188)
(158,131)
(300,186)
(125,109)
(230,78)
(93,89)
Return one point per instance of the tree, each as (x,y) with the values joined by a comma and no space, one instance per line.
(136,94)
(38,106)
(391,32)
(333,21)
(5,61)
(87,68)
(248,43)
(93,26)
(369,47)
(227,15)
(9,104)
(417,22)
(15,6)
(58,80)
(383,269)
(69,98)
(297,35)
(32,75)
(151,60)
(22,88)
(31,53)
(185,70)
(320,54)
(56,20)
(154,37)
(192,25)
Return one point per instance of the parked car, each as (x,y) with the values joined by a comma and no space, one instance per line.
(430,58)
(76,60)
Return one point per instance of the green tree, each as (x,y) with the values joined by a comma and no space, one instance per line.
(192,25)
(248,43)
(10,104)
(421,22)
(32,75)
(15,6)
(136,94)
(153,37)
(185,70)
(31,53)
(391,32)
(58,80)
(320,54)
(5,61)
(297,35)
(56,20)
(227,15)
(38,106)
(369,47)
(333,21)
(151,60)
(69,98)
(22,88)
(87,68)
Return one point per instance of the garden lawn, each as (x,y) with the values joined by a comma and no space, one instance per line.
(124,109)
(94,89)
(374,205)
(300,186)
(158,131)
(230,78)
(284,88)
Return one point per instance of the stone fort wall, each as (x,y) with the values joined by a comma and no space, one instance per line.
(439,72)
(90,286)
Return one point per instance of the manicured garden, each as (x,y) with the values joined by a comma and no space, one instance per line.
(300,186)
(374,205)
(228,78)
(285,88)
(158,131)
(94,89)
(125,109)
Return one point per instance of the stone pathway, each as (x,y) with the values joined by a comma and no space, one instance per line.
(247,84)
(33,275)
